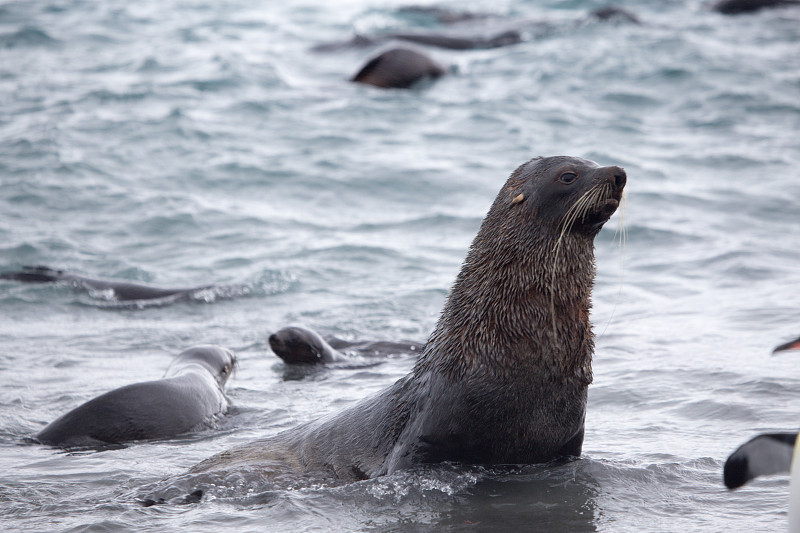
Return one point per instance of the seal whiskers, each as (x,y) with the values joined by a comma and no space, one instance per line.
(622,232)
(578,211)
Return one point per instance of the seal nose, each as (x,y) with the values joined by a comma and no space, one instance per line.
(618,178)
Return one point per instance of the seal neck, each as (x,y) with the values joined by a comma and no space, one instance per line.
(520,305)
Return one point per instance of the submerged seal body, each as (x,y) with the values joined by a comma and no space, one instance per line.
(297,346)
(187,397)
(448,42)
(504,376)
(737,7)
(398,68)
(120,290)
(504,31)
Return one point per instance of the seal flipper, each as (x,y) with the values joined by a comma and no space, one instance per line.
(194,497)
(769,453)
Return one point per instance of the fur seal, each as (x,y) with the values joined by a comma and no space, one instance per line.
(187,397)
(122,291)
(737,7)
(448,42)
(398,68)
(450,16)
(300,346)
(504,376)
(612,12)
(297,346)
(472,37)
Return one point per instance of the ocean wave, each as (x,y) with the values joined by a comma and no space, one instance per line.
(28,36)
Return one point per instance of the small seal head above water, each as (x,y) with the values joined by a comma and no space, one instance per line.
(302,346)
(186,398)
(398,68)
(504,377)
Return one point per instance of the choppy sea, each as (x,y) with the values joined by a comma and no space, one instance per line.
(178,142)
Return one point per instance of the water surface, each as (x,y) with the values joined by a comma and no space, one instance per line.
(185,143)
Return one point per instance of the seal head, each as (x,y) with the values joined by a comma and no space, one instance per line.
(568,193)
(217,361)
(398,68)
(296,345)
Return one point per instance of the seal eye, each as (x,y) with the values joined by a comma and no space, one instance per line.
(568,177)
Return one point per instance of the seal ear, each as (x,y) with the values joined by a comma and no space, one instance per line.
(518,199)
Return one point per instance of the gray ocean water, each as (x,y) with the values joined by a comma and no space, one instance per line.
(182,143)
